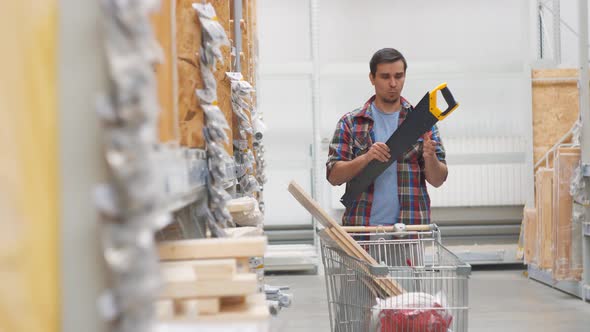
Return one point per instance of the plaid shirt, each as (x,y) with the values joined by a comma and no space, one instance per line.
(353,137)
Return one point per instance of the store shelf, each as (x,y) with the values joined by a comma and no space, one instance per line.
(571,287)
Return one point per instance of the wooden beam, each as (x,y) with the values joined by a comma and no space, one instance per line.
(240,284)
(192,270)
(212,248)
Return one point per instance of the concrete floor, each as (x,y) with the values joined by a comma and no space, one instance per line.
(499,300)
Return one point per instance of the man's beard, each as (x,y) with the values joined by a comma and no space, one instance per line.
(390,100)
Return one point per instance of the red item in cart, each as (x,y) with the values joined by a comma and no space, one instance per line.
(415,320)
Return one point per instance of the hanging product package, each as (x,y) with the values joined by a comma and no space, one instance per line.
(214,35)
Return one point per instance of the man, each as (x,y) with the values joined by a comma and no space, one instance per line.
(399,194)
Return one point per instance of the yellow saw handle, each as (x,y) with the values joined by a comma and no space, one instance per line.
(452,104)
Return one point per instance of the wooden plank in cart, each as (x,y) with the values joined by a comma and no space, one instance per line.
(346,242)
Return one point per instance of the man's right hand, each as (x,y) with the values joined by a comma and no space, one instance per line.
(378,151)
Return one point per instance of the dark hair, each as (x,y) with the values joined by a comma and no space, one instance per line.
(386,55)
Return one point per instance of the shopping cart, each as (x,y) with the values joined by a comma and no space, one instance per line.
(434,282)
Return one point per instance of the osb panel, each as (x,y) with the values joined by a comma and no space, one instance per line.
(162,22)
(246,41)
(188,43)
(555,108)
(544,204)
(188,35)
(565,163)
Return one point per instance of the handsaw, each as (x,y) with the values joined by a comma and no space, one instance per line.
(420,120)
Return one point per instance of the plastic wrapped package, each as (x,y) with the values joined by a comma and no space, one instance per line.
(241,98)
(258,126)
(580,201)
(416,312)
(214,35)
(249,185)
(544,204)
(249,214)
(207,95)
(530,236)
(565,163)
(131,51)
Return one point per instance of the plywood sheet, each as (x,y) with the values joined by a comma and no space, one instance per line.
(544,203)
(555,107)
(188,43)
(565,164)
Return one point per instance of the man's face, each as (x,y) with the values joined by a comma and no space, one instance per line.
(389,81)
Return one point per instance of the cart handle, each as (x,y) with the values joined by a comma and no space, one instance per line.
(393,228)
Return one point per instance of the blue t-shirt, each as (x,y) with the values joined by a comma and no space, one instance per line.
(385,209)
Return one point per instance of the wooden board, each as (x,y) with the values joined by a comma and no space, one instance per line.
(212,248)
(565,164)
(530,236)
(162,23)
(345,241)
(34,205)
(198,307)
(164,309)
(555,107)
(256,312)
(192,270)
(544,203)
(240,284)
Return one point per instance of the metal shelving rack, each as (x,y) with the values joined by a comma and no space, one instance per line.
(580,288)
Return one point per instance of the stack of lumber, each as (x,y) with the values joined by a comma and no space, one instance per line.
(210,280)
(382,287)
(548,227)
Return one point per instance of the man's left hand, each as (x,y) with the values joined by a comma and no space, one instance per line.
(429,150)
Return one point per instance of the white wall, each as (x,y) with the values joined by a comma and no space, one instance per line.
(481,48)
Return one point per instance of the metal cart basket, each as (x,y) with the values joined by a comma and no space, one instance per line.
(434,280)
